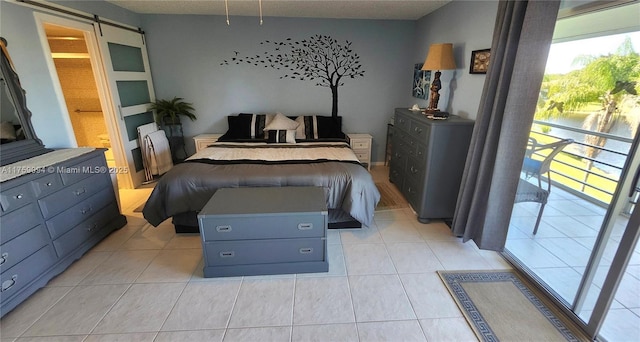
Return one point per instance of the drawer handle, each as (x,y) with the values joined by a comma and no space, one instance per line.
(49,184)
(413,170)
(80,191)
(417,130)
(19,196)
(3,258)
(93,227)
(85,210)
(223,229)
(229,254)
(410,190)
(305,226)
(419,153)
(7,284)
(306,250)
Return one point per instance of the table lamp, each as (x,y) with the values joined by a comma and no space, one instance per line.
(439,57)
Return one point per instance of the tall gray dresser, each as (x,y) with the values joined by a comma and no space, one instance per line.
(50,218)
(269,230)
(427,161)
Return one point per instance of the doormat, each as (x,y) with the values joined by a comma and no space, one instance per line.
(390,198)
(500,306)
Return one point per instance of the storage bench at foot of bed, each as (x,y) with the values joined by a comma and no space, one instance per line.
(270,230)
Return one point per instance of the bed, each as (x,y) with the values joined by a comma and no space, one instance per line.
(263,150)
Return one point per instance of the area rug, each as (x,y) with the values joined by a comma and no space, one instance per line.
(390,198)
(501,306)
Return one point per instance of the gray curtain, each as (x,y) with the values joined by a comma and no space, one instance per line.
(521,41)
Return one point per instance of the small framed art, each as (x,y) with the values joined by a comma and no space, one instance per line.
(479,61)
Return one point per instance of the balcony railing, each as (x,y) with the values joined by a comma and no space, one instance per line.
(582,175)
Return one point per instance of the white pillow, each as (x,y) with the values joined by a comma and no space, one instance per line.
(300,131)
(281,122)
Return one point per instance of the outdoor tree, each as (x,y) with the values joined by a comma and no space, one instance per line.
(320,58)
(610,83)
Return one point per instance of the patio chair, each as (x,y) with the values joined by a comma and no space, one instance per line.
(528,192)
(535,167)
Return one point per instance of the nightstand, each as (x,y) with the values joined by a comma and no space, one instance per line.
(204,140)
(361,145)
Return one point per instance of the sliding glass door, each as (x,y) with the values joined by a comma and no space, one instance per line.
(584,252)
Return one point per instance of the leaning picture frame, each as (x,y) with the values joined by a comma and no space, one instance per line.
(479,61)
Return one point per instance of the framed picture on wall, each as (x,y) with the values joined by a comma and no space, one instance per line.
(421,82)
(479,61)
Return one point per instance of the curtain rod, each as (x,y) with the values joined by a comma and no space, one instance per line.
(93,18)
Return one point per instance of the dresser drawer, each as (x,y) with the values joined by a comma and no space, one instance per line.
(395,175)
(415,170)
(69,196)
(82,170)
(15,250)
(47,185)
(66,220)
(402,122)
(419,153)
(245,252)
(412,192)
(19,221)
(419,131)
(262,227)
(20,275)
(14,198)
(82,232)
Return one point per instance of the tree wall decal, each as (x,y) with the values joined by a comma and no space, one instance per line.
(320,58)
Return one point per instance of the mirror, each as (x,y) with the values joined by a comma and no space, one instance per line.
(18,140)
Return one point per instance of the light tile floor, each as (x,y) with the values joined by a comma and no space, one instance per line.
(560,251)
(145,284)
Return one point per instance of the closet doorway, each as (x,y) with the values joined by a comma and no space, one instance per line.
(73,66)
(76,64)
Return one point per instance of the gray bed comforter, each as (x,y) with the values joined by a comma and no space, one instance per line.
(187,187)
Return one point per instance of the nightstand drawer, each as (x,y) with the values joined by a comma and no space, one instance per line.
(244,252)
(363,156)
(360,144)
(262,227)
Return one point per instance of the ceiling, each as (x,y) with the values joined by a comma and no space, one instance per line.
(344,9)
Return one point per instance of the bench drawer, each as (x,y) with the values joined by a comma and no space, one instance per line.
(264,251)
(262,227)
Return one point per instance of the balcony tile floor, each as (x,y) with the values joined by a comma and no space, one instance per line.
(560,250)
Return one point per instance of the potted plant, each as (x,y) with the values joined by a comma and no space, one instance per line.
(168,112)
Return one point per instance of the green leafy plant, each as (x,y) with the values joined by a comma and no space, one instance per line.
(169,111)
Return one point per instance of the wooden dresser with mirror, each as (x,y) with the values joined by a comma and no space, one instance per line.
(55,205)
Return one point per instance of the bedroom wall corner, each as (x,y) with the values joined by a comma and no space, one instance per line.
(469,26)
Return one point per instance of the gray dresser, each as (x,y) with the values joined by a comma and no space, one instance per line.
(50,218)
(427,161)
(271,230)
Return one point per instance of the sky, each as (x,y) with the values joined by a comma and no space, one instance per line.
(562,55)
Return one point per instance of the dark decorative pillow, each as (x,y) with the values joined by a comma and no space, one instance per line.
(239,127)
(281,136)
(320,127)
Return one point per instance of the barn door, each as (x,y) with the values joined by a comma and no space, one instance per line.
(126,63)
